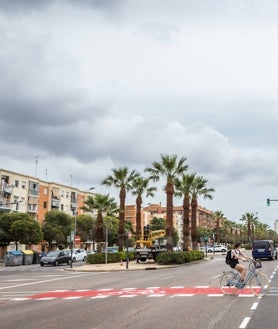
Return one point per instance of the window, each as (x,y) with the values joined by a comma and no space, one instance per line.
(44,204)
(33,186)
(16,183)
(23,184)
(45,191)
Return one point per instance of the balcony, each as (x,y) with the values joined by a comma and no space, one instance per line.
(55,204)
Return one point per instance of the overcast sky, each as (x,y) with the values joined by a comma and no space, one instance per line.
(87,86)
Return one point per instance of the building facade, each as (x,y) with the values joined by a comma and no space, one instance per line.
(204,217)
(36,197)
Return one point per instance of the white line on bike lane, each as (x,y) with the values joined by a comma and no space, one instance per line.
(244,323)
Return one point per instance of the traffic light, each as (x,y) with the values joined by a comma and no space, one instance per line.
(206,239)
(268,202)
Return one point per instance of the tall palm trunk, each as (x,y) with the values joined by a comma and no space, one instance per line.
(186,223)
(249,229)
(122,218)
(99,231)
(194,205)
(169,213)
(138,217)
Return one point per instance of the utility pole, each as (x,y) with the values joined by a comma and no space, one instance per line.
(36,164)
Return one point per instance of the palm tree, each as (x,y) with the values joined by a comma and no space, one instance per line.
(140,186)
(183,188)
(121,179)
(104,205)
(249,219)
(218,216)
(171,168)
(199,189)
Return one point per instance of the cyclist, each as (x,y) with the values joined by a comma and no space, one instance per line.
(237,255)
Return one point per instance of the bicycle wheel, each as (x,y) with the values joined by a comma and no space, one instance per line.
(260,284)
(228,283)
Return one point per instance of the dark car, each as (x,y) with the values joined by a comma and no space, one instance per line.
(264,249)
(55,258)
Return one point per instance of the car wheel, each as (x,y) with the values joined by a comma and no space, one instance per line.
(223,250)
(209,250)
(56,263)
(74,260)
(85,259)
(42,264)
(68,262)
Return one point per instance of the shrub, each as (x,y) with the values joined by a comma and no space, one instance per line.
(113,257)
(180,257)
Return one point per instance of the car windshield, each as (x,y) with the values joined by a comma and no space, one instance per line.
(261,245)
(52,253)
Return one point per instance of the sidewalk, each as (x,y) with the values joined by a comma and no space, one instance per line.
(110,267)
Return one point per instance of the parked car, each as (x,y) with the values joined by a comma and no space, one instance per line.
(264,249)
(110,249)
(90,252)
(77,254)
(55,258)
(215,248)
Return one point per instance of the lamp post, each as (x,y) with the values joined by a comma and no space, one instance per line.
(106,242)
(74,226)
(128,237)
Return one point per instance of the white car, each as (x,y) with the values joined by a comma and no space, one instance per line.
(78,254)
(217,248)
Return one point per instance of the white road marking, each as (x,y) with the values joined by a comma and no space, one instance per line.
(38,282)
(254,306)
(244,323)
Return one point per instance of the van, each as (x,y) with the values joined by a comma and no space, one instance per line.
(264,249)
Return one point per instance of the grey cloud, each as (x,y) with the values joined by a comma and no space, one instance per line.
(25,5)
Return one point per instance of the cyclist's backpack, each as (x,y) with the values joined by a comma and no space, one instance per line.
(229,257)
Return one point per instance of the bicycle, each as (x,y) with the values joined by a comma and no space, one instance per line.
(258,282)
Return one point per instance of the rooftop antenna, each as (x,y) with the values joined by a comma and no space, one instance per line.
(36,161)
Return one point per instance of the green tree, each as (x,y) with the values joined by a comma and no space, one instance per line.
(121,178)
(86,227)
(218,216)
(170,168)
(104,206)
(56,227)
(157,223)
(111,224)
(184,186)
(140,186)
(249,219)
(198,189)
(20,228)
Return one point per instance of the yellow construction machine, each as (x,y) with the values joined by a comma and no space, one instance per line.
(149,245)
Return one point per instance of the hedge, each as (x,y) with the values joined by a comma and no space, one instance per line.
(163,258)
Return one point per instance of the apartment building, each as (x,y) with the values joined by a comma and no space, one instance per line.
(276,225)
(204,216)
(36,197)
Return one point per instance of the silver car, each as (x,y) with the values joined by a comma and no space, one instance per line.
(215,248)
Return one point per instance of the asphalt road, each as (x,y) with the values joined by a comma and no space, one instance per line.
(186,296)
